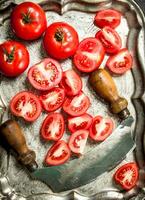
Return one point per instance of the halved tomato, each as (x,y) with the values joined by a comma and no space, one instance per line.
(101,128)
(89,55)
(53,127)
(82,122)
(109,17)
(120,63)
(110,39)
(127,175)
(26,105)
(45,75)
(76,106)
(53,99)
(58,154)
(77,141)
(71,82)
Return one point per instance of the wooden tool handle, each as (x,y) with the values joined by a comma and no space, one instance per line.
(12,134)
(105,87)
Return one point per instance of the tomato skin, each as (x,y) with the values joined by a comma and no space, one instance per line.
(108,17)
(119,175)
(17,60)
(51,159)
(60,40)
(106,126)
(120,63)
(110,40)
(82,122)
(89,55)
(71,82)
(22,103)
(77,141)
(39,74)
(33,25)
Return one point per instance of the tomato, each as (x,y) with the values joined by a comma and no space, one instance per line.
(14,58)
(45,75)
(120,63)
(60,40)
(127,176)
(89,55)
(110,39)
(109,17)
(71,82)
(101,128)
(76,106)
(28,21)
(82,122)
(77,141)
(53,127)
(52,99)
(58,154)
(26,105)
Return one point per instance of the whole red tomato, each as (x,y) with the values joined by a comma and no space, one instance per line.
(14,58)
(60,40)
(28,21)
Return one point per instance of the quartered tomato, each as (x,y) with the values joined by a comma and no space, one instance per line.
(89,55)
(58,154)
(53,99)
(109,17)
(53,127)
(120,63)
(76,106)
(77,141)
(110,39)
(28,21)
(71,82)
(45,75)
(127,176)
(60,40)
(26,105)
(82,122)
(101,128)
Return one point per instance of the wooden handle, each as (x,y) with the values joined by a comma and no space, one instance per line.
(12,134)
(105,87)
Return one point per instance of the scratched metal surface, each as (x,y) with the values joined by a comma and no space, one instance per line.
(130,85)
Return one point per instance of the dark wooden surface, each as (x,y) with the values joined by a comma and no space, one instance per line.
(141,3)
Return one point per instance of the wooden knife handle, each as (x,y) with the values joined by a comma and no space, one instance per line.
(105,87)
(11,133)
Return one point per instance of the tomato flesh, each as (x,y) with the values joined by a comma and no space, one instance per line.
(101,128)
(58,154)
(26,105)
(45,75)
(127,176)
(53,127)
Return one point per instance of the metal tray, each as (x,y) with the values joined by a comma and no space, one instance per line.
(14,181)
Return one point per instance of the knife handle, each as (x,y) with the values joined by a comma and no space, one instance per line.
(104,85)
(11,133)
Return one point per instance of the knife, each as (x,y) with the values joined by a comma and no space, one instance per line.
(80,171)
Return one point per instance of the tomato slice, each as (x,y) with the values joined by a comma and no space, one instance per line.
(52,99)
(110,39)
(58,154)
(45,75)
(82,122)
(77,141)
(71,82)
(127,175)
(53,127)
(101,128)
(120,63)
(26,105)
(76,106)
(89,55)
(109,17)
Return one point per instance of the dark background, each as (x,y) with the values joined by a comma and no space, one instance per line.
(141,3)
